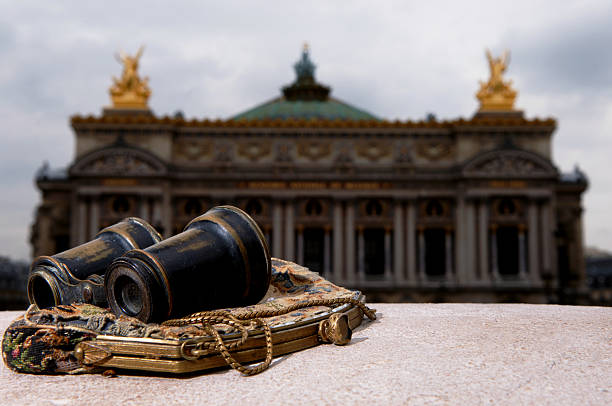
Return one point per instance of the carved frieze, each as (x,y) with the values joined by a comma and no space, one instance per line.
(373,150)
(345,155)
(283,152)
(313,150)
(193,150)
(119,162)
(403,154)
(223,152)
(510,164)
(254,150)
(434,150)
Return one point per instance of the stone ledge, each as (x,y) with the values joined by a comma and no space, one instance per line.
(414,354)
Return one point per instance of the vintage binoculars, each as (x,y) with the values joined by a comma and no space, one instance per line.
(221,259)
(76,275)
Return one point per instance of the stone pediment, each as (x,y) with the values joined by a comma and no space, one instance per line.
(509,164)
(119,162)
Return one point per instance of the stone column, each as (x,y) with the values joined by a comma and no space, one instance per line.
(167,217)
(448,247)
(360,254)
(289,232)
(82,222)
(388,254)
(143,211)
(338,246)
(494,262)
(547,235)
(158,215)
(74,219)
(44,244)
(483,234)
(422,249)
(300,244)
(327,253)
(277,229)
(411,255)
(532,240)
(461,243)
(579,254)
(522,251)
(94,216)
(398,243)
(267,234)
(470,243)
(349,236)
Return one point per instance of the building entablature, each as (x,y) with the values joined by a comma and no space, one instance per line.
(474,124)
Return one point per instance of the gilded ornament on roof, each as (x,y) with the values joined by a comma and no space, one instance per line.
(496,94)
(130,91)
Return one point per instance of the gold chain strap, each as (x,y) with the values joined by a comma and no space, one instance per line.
(196,318)
(231,361)
(237,322)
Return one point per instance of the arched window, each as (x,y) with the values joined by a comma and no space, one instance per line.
(254,207)
(374,208)
(313,208)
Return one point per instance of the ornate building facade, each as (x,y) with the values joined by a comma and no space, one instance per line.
(463,210)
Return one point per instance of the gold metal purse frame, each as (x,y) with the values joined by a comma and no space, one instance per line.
(214,350)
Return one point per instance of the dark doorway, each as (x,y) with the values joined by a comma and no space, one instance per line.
(374,247)
(435,251)
(314,249)
(508,250)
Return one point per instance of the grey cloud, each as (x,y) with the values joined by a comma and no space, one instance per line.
(567,57)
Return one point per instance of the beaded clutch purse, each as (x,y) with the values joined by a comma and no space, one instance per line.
(300,310)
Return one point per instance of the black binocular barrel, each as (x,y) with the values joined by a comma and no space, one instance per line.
(221,259)
(77,275)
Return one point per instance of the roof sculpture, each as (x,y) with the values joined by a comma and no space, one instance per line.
(130,91)
(497,95)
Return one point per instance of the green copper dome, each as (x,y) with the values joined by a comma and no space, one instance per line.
(305,99)
(329,109)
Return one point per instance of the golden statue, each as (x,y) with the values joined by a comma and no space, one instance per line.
(497,95)
(130,91)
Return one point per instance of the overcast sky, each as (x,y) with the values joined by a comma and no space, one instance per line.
(396,59)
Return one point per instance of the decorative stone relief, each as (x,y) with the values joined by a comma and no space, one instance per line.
(193,150)
(313,150)
(283,152)
(509,163)
(254,150)
(119,163)
(345,155)
(373,150)
(403,154)
(223,152)
(434,150)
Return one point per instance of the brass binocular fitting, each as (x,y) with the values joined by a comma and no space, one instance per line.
(221,259)
(76,275)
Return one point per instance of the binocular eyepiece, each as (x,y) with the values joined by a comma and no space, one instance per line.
(221,259)
(76,275)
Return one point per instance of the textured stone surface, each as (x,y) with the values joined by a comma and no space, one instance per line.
(415,354)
